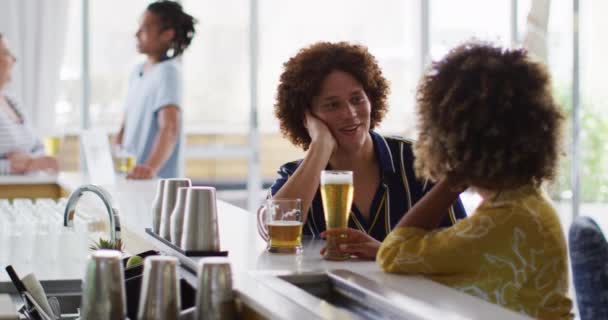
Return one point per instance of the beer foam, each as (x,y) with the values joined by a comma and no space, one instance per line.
(285,223)
(330,178)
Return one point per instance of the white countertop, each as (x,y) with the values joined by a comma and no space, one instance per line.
(35,178)
(238,235)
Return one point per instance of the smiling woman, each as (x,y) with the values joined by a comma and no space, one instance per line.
(330,98)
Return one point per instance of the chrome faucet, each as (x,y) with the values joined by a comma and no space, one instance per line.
(70,209)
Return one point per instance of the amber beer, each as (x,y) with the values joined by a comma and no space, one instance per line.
(52,145)
(337,195)
(285,234)
(125,163)
(280,224)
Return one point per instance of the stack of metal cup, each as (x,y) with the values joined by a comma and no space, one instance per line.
(215,297)
(169,201)
(160,293)
(103,296)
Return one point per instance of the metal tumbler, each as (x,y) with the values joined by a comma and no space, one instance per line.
(177,217)
(159,298)
(214,298)
(169,200)
(157,206)
(103,294)
(200,229)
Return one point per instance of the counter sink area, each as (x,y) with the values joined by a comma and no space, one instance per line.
(266,285)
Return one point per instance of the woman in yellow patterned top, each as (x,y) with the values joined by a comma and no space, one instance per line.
(487,120)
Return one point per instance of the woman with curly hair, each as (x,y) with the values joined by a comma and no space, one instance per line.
(487,120)
(330,98)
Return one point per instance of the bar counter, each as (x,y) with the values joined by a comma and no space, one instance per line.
(251,264)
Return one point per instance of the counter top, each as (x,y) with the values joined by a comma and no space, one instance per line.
(238,235)
(37,178)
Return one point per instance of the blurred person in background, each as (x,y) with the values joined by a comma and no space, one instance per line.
(21,151)
(152,126)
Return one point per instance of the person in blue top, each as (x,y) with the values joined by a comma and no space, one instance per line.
(330,98)
(152,125)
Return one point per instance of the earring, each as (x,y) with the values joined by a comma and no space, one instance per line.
(170,52)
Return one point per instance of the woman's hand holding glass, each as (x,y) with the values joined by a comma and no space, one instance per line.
(355,242)
(44,163)
(22,163)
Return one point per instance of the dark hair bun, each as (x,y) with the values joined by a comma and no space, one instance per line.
(172,16)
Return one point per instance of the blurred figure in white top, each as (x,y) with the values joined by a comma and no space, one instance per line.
(21,152)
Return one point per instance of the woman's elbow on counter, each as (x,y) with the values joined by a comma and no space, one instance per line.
(387,258)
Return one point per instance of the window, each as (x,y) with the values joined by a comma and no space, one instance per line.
(216,67)
(389,30)
(113,24)
(593,110)
(67,106)
(113,56)
(454,22)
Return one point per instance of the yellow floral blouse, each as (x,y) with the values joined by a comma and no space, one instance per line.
(511,251)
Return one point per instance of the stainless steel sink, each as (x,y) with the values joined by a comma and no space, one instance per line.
(342,294)
(67,292)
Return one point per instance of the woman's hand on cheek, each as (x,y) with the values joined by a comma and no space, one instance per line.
(319,132)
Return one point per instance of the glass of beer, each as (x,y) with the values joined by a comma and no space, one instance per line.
(124,161)
(337,195)
(51,145)
(280,224)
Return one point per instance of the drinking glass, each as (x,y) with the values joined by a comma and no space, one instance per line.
(280,224)
(124,161)
(52,144)
(337,195)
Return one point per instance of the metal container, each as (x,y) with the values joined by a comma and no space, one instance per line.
(214,298)
(157,205)
(103,294)
(159,298)
(169,200)
(177,217)
(200,229)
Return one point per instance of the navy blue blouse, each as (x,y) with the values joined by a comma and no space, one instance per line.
(399,189)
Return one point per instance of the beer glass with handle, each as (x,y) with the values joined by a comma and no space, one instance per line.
(280,224)
(337,195)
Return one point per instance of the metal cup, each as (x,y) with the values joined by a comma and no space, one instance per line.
(177,216)
(159,298)
(214,298)
(157,205)
(169,200)
(200,230)
(103,294)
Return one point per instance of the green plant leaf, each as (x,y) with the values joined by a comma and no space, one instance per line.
(107,244)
